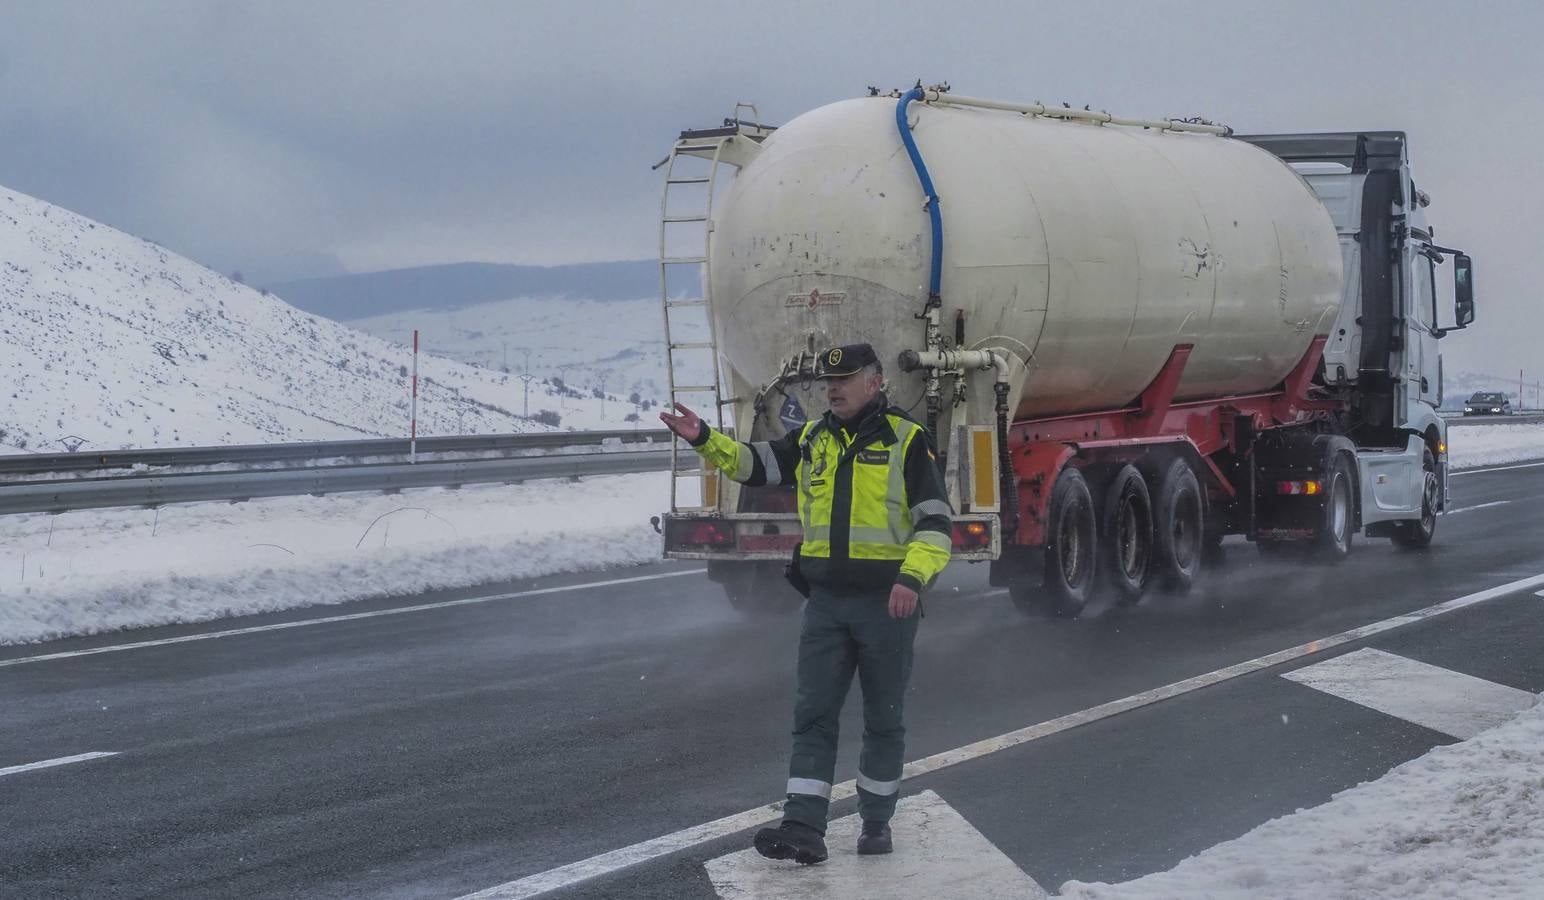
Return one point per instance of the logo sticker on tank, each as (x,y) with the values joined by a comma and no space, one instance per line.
(815,298)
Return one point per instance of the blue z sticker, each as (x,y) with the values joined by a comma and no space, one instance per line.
(792,414)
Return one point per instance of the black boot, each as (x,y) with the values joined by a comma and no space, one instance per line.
(875,839)
(792,840)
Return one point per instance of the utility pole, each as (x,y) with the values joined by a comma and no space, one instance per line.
(412,445)
(525,376)
(563,394)
(525,409)
(604,374)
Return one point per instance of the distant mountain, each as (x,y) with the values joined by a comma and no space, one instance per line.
(108,341)
(586,344)
(459,285)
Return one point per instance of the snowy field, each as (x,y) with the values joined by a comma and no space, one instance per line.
(1462,821)
(1470,446)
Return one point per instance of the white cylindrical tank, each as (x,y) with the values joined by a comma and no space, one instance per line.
(1092,250)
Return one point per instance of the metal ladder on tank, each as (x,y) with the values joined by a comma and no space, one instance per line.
(708,144)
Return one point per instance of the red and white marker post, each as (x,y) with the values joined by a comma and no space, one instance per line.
(412,444)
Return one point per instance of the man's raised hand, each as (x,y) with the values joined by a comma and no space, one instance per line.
(687,425)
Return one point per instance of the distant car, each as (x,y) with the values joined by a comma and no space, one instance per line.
(1488,404)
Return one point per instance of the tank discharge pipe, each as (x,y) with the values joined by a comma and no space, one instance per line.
(932,334)
(961,361)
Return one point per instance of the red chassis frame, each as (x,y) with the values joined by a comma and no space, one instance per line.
(1041,447)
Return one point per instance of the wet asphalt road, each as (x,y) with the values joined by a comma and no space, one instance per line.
(438,752)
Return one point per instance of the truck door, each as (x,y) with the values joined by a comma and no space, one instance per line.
(1422,360)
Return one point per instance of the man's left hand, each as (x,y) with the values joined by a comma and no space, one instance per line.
(903,601)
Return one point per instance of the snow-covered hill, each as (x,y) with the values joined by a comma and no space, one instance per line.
(109,341)
(617,345)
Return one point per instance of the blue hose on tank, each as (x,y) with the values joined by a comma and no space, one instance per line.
(935,277)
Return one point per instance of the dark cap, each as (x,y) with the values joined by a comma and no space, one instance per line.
(845,360)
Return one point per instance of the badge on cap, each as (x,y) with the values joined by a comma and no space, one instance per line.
(835,357)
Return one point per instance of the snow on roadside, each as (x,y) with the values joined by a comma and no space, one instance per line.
(1465,820)
(101,570)
(1493,445)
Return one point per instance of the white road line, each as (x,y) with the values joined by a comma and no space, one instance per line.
(616,860)
(1532,465)
(1463,509)
(940,855)
(50,763)
(396,611)
(1431,696)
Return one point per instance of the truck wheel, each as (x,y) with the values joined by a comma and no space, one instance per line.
(1126,535)
(1336,531)
(1178,517)
(755,588)
(1418,533)
(1071,546)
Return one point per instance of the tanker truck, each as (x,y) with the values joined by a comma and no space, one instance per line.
(1128,338)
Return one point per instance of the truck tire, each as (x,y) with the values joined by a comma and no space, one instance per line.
(1071,545)
(1178,523)
(1417,534)
(1126,536)
(1338,528)
(755,588)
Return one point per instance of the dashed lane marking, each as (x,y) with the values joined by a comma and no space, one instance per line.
(395,611)
(1464,509)
(1532,465)
(50,763)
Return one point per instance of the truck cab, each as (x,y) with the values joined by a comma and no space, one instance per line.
(1383,352)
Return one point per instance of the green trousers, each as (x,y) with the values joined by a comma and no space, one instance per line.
(843,633)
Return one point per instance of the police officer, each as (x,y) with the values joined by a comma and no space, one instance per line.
(876,522)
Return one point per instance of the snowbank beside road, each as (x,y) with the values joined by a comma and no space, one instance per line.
(102,570)
(1493,445)
(1462,821)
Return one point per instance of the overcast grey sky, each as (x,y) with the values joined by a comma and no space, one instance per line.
(289,139)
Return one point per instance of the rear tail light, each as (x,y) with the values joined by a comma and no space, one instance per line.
(972,535)
(698,533)
(1308,488)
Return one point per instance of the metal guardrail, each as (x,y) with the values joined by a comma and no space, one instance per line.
(37,464)
(154,490)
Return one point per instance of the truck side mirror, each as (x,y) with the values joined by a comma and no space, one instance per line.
(1463,290)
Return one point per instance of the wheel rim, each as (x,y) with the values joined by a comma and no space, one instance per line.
(1187,537)
(1429,504)
(1072,550)
(1130,550)
(1340,510)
